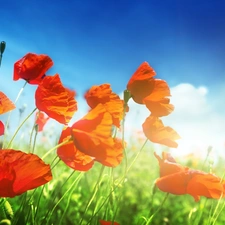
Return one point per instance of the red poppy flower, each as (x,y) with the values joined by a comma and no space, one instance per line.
(154,93)
(2,128)
(41,119)
(156,132)
(179,180)
(6,104)
(104,222)
(103,94)
(55,100)
(20,172)
(32,68)
(92,136)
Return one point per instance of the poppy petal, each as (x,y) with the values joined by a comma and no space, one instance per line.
(103,94)
(20,172)
(141,83)
(157,102)
(71,156)
(2,128)
(41,119)
(32,68)
(104,222)
(55,100)
(156,132)
(6,104)
(92,135)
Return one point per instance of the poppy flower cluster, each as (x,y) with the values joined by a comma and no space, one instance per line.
(179,180)
(154,94)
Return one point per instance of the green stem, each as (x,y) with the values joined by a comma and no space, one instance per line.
(68,190)
(55,147)
(9,145)
(95,190)
(159,208)
(120,181)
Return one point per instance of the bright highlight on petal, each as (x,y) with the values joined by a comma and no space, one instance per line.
(103,94)
(32,68)
(156,132)
(55,100)
(20,172)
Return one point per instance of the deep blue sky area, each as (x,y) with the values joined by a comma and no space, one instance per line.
(98,41)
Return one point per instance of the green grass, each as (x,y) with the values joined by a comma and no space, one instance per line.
(131,199)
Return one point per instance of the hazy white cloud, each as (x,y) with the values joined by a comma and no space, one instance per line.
(199,123)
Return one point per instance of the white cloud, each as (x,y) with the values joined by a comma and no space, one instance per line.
(199,123)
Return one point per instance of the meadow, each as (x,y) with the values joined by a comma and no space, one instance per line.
(92,174)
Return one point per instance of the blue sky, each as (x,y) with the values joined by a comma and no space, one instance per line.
(93,42)
(97,41)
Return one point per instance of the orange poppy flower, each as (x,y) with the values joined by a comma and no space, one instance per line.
(103,94)
(32,68)
(6,104)
(104,222)
(154,93)
(2,128)
(55,100)
(156,132)
(179,180)
(20,172)
(70,155)
(92,136)
(41,119)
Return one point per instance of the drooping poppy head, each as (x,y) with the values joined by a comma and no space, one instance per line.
(154,93)
(2,128)
(104,222)
(55,100)
(41,119)
(103,94)
(20,172)
(156,132)
(70,155)
(32,68)
(179,180)
(6,104)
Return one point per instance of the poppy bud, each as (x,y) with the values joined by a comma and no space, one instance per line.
(126,96)
(2,47)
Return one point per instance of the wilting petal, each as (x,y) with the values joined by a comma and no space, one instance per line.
(20,172)
(32,68)
(2,128)
(41,120)
(156,132)
(6,104)
(55,100)
(103,94)
(157,101)
(71,156)
(141,84)
(92,135)
(104,222)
